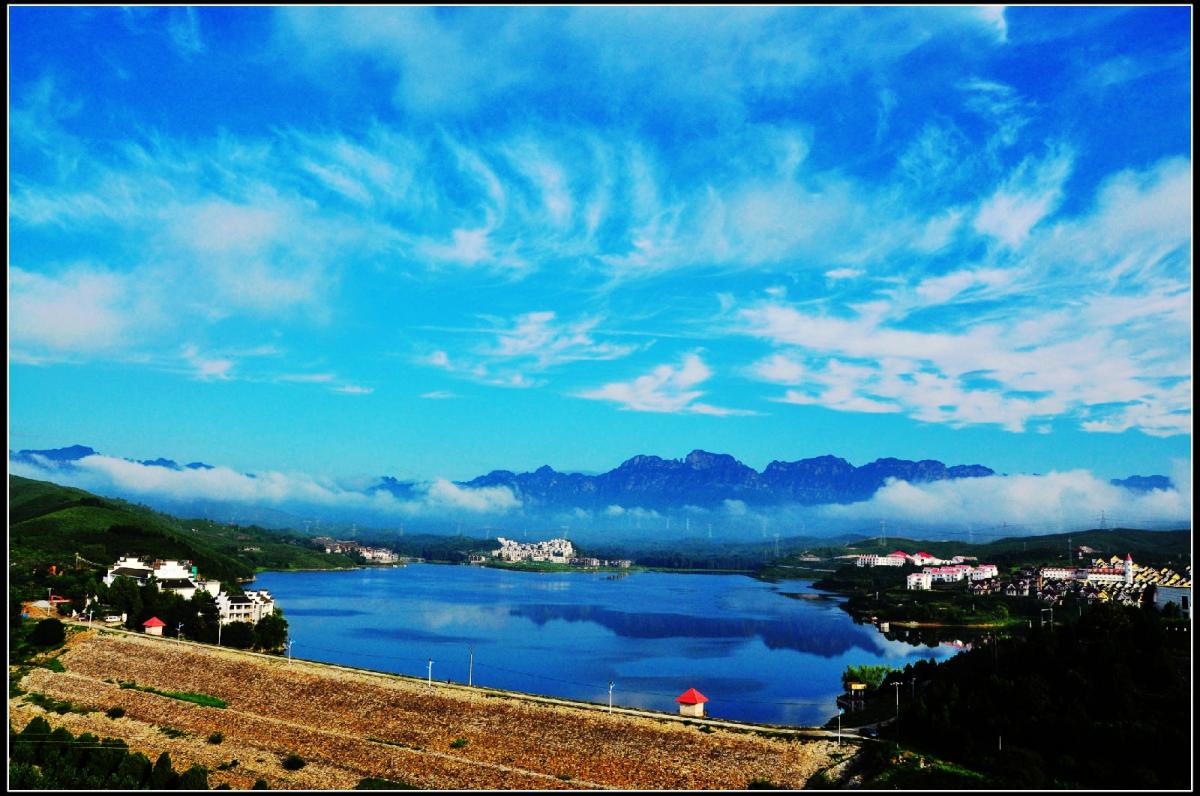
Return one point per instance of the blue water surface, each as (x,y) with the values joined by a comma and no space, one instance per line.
(756,653)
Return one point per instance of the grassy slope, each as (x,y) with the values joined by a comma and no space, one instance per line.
(49,524)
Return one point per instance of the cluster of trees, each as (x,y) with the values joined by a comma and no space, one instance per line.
(870,674)
(44,759)
(198,616)
(1103,702)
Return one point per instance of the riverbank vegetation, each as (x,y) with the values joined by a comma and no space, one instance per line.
(1100,702)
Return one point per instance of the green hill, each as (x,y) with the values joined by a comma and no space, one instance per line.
(1149,548)
(49,524)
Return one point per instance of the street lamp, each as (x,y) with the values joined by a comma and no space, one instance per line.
(897,721)
(610,688)
(840,712)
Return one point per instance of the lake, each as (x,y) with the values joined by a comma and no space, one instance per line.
(761,652)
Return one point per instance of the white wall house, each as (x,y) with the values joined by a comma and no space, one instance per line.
(920,581)
(249,607)
(558,551)
(180,577)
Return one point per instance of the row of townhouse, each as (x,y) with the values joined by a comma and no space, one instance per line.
(183,578)
(924,580)
(1100,571)
(898,558)
(378,555)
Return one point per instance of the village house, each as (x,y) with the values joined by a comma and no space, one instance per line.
(180,577)
(897,558)
(554,551)
(920,581)
(248,607)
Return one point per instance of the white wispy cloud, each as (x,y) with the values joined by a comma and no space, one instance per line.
(1096,345)
(533,342)
(667,388)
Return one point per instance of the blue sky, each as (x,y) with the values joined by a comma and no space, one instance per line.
(435,242)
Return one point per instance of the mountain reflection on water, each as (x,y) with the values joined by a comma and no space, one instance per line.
(757,654)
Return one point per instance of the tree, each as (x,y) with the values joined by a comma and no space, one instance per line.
(47,633)
(195,778)
(163,777)
(239,635)
(126,598)
(202,617)
(270,633)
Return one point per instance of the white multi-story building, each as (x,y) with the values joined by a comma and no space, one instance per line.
(920,581)
(555,551)
(248,607)
(180,577)
(380,555)
(1059,573)
(984,571)
(897,558)
(950,574)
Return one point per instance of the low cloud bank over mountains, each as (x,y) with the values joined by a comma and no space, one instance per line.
(646,496)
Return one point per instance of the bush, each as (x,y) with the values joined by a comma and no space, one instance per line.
(216,737)
(458,743)
(759,783)
(260,784)
(115,712)
(293,762)
(47,633)
(195,778)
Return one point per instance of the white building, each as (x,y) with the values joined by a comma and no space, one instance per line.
(950,574)
(985,571)
(380,555)
(555,551)
(180,577)
(920,581)
(924,559)
(1059,573)
(897,558)
(1180,595)
(249,607)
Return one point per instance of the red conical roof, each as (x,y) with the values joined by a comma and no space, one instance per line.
(154,621)
(691,697)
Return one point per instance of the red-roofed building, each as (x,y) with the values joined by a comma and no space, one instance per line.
(923,559)
(154,626)
(691,703)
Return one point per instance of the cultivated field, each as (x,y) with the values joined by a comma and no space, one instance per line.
(350,725)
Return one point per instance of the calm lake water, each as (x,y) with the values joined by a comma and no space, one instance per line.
(757,653)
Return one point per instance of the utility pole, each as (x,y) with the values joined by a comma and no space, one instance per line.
(471,668)
(220,624)
(429,676)
(897,721)
(610,688)
(840,712)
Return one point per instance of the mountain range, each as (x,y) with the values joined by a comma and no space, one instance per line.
(699,479)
